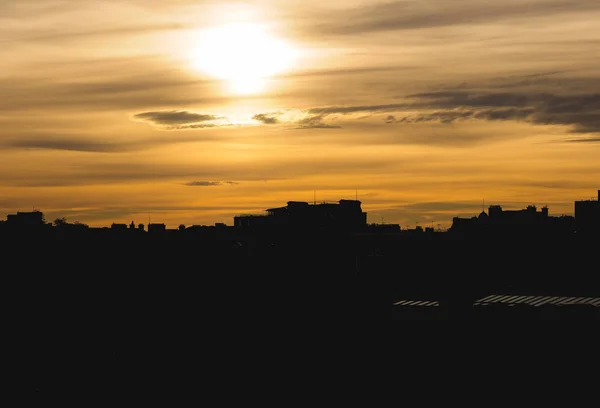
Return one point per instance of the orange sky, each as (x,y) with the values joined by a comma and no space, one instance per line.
(192,112)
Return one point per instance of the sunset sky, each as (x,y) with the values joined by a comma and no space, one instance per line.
(190,112)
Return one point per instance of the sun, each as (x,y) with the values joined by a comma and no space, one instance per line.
(242,54)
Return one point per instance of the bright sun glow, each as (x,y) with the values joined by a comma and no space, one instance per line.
(242,54)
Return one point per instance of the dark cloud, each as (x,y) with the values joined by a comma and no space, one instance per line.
(209,183)
(416,14)
(451,116)
(443,117)
(505,114)
(270,118)
(475,98)
(178,120)
(390,119)
(354,109)
(585,140)
(314,122)
(581,111)
(72,144)
(175,117)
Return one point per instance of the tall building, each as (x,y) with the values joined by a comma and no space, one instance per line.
(587,215)
(33,218)
(343,215)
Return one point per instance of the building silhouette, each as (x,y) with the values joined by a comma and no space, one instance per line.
(527,220)
(343,215)
(120,227)
(587,215)
(157,228)
(306,260)
(33,218)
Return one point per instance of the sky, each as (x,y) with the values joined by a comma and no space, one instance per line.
(192,112)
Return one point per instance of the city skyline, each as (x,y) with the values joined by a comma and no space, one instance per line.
(191,113)
(348,211)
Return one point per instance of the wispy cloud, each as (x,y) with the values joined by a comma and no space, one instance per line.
(355,109)
(270,118)
(584,140)
(104,84)
(580,111)
(175,117)
(209,183)
(315,122)
(92,142)
(176,120)
(76,144)
(66,35)
(415,14)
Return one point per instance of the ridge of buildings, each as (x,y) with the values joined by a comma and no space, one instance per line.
(344,216)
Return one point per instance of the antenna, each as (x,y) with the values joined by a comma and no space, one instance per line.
(315,197)
(356,195)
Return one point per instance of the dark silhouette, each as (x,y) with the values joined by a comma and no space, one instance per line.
(316,262)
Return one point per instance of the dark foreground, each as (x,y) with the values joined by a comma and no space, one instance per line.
(92,312)
(115,284)
(584,313)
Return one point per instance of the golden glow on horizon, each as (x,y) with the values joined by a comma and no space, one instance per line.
(242,54)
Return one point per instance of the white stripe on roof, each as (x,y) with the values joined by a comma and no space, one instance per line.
(515,299)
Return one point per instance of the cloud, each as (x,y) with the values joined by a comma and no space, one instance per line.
(314,122)
(175,120)
(209,183)
(270,118)
(415,14)
(344,72)
(584,140)
(72,144)
(581,111)
(105,84)
(118,169)
(175,117)
(93,143)
(476,98)
(59,35)
(451,116)
(193,126)
(354,109)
